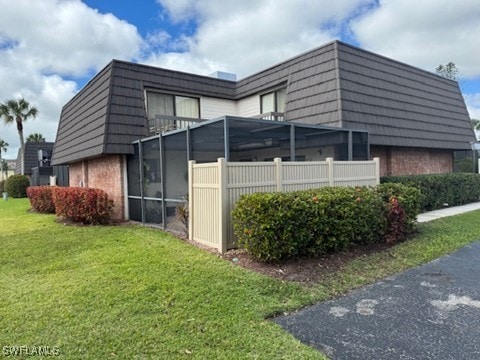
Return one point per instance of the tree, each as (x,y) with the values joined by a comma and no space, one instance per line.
(475,124)
(3,147)
(18,111)
(35,137)
(449,71)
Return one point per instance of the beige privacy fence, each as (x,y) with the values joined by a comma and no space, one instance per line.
(213,188)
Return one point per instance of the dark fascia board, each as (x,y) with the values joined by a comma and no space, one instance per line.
(181,73)
(171,71)
(106,124)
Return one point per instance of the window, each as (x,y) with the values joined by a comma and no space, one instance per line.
(187,107)
(172,105)
(274,101)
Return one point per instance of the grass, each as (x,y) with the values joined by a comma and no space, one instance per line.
(130,292)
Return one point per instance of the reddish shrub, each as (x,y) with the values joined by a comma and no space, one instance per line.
(41,198)
(396,230)
(85,205)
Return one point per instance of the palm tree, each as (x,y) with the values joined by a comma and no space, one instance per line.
(35,137)
(18,111)
(3,147)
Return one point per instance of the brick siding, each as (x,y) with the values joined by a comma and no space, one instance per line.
(105,173)
(409,161)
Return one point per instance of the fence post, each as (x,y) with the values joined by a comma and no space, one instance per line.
(377,169)
(279,173)
(329,161)
(191,164)
(223,205)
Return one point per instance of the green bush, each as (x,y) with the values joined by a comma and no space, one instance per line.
(2,186)
(41,198)
(272,240)
(275,226)
(439,190)
(16,186)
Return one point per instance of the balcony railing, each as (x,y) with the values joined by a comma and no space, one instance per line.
(277,116)
(164,123)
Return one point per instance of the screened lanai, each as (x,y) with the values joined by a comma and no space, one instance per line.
(158,169)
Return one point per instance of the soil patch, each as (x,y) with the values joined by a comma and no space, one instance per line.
(308,271)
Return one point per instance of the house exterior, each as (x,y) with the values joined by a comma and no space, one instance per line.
(36,154)
(415,120)
(38,168)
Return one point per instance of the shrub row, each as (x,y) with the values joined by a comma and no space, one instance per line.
(16,186)
(275,226)
(84,205)
(437,190)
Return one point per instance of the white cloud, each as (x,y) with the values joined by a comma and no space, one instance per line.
(44,42)
(424,33)
(247,36)
(65,36)
(473,105)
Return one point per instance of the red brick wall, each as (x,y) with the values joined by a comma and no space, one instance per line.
(407,161)
(105,173)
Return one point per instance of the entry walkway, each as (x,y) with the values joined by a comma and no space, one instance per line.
(454,210)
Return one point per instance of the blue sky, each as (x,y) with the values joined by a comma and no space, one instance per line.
(66,42)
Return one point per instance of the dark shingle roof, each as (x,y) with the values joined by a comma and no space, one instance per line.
(31,155)
(401,105)
(82,127)
(109,113)
(335,84)
(311,79)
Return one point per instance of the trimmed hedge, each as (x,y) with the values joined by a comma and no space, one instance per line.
(440,189)
(85,205)
(275,226)
(16,186)
(41,198)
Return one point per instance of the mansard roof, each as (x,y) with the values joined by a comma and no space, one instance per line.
(335,84)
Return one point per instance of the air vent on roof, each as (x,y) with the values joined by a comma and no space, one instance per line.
(224,75)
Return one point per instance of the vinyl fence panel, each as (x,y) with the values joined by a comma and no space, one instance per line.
(214,189)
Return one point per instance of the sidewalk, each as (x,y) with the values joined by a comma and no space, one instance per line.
(454,210)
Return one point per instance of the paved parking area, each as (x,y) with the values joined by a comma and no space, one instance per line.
(429,312)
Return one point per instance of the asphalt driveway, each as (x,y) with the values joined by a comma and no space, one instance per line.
(429,312)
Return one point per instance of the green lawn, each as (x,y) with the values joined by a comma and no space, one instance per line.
(127,292)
